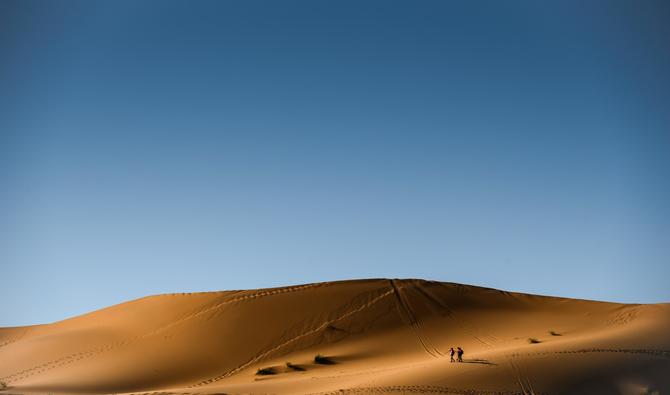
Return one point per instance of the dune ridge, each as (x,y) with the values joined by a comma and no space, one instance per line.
(380,336)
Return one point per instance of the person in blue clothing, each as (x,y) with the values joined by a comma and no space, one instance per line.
(452,352)
(460,354)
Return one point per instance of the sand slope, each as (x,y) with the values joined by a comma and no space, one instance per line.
(382,336)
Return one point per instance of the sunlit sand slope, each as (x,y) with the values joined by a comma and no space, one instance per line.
(375,336)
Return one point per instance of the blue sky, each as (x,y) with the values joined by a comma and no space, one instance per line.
(150,147)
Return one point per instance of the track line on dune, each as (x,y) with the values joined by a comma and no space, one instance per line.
(418,389)
(75,357)
(522,380)
(19,337)
(657,353)
(526,384)
(265,353)
(625,316)
(485,339)
(405,311)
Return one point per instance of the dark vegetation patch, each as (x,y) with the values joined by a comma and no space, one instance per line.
(266,371)
(291,366)
(323,360)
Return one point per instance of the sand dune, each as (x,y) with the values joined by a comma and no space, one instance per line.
(376,336)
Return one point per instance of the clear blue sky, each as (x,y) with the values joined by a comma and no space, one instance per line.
(150,147)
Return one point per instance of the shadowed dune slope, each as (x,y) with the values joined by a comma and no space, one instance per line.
(375,336)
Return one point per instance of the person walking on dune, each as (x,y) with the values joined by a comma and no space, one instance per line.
(452,352)
(460,354)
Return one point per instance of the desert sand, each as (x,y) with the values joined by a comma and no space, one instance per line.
(375,336)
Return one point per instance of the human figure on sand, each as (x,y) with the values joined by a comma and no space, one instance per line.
(460,354)
(452,352)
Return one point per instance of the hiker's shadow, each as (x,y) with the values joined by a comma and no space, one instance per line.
(479,361)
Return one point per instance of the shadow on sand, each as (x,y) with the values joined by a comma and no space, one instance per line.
(479,361)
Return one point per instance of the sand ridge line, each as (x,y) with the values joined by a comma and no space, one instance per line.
(657,353)
(406,313)
(71,358)
(264,354)
(419,389)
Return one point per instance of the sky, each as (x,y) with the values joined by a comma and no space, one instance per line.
(170,146)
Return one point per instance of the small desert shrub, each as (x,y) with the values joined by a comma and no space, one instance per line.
(265,371)
(322,360)
(3,385)
(291,366)
(554,333)
(533,340)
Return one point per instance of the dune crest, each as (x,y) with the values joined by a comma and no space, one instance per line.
(371,336)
